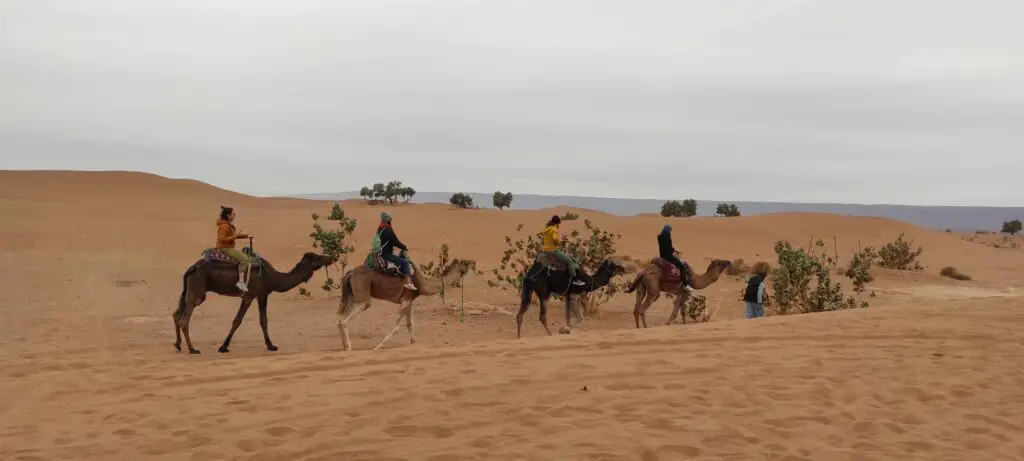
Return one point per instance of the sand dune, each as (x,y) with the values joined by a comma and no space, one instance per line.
(92,265)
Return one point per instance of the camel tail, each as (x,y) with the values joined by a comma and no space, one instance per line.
(346,294)
(184,287)
(635,283)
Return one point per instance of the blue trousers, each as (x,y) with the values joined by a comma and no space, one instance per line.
(402,262)
(754,310)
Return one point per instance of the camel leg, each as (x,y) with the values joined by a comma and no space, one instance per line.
(678,306)
(652,297)
(544,313)
(177,323)
(640,295)
(346,316)
(404,310)
(568,313)
(264,322)
(186,317)
(408,326)
(242,309)
(524,304)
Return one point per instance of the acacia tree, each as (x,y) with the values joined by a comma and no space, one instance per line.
(727,209)
(675,209)
(1012,227)
(502,200)
(389,192)
(461,200)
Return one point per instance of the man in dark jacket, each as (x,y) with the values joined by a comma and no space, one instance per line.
(754,295)
(668,253)
(388,242)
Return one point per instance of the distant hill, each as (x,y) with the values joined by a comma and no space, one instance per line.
(935,217)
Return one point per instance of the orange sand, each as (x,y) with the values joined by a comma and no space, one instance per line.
(92,264)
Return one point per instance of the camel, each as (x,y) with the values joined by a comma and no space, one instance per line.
(363,284)
(216,272)
(660,276)
(549,275)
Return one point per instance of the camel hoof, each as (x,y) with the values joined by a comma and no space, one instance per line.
(177,346)
(564,330)
(412,341)
(271,348)
(193,351)
(223,350)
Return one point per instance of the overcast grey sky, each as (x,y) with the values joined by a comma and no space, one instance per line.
(907,101)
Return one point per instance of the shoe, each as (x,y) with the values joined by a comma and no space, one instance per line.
(409,285)
(241,286)
(688,288)
(579,283)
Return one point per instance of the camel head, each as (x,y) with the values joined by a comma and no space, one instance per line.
(717,266)
(316,261)
(458,268)
(612,266)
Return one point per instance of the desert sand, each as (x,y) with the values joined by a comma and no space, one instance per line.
(92,265)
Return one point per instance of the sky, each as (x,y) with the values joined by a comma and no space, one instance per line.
(855,101)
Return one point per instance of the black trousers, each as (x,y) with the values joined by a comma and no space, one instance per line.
(682,267)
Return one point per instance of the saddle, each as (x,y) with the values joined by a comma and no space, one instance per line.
(216,255)
(550,261)
(383,266)
(669,272)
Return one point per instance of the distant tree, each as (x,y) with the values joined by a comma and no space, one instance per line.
(367,194)
(461,200)
(675,209)
(406,193)
(502,200)
(1012,227)
(389,192)
(727,209)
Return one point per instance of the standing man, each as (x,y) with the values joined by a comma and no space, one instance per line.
(754,295)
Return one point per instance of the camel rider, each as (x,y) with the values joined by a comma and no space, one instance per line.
(226,236)
(668,253)
(552,244)
(389,241)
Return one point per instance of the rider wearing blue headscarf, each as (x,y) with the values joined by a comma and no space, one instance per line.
(668,253)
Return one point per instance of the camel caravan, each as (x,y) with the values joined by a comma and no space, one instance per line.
(385,276)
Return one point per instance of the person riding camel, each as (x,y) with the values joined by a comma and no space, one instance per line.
(668,253)
(226,236)
(552,244)
(389,241)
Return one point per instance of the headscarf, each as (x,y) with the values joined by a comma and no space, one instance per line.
(666,229)
(385,220)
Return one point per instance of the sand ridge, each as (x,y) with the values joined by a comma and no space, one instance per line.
(92,265)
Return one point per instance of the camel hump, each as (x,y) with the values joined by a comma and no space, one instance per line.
(669,271)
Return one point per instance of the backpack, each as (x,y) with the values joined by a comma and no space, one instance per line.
(373,258)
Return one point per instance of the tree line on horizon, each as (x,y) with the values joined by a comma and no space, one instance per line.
(394,191)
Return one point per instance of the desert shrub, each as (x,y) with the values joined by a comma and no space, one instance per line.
(333,243)
(675,209)
(697,309)
(1011,227)
(502,200)
(589,248)
(436,267)
(803,280)
(900,255)
(726,210)
(1004,242)
(461,200)
(859,269)
(390,193)
(570,216)
(953,273)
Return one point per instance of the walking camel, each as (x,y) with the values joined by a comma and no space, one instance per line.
(218,273)
(363,284)
(660,276)
(549,275)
